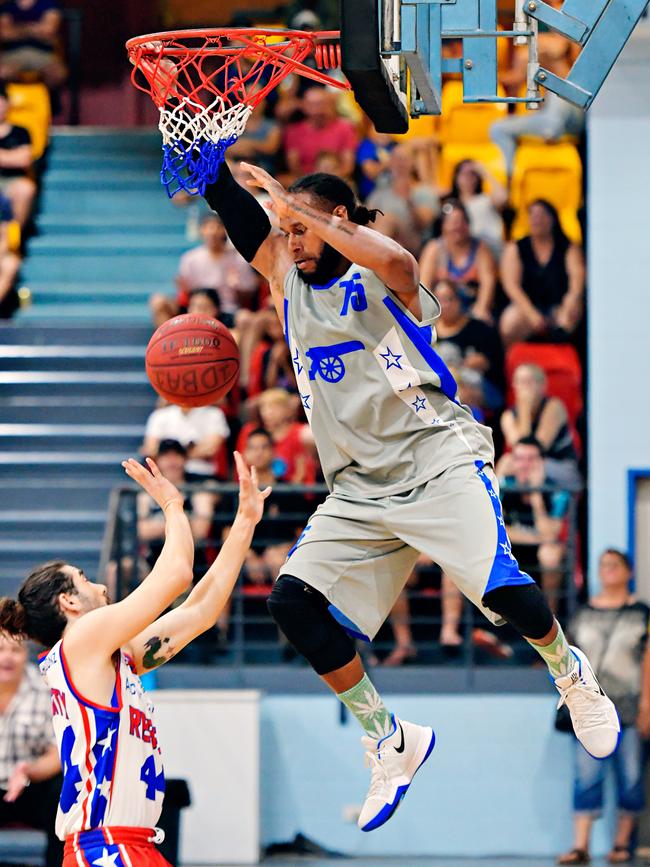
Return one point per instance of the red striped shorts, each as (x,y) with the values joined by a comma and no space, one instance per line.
(121,847)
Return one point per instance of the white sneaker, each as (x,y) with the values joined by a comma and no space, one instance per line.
(393,761)
(593,715)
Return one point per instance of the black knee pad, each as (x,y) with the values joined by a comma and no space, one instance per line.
(524,606)
(303,616)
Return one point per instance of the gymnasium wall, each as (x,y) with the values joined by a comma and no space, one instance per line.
(619,293)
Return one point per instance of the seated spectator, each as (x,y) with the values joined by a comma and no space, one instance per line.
(171,458)
(458,256)
(545,418)
(373,157)
(408,207)
(215,265)
(202,430)
(30,769)
(15,164)
(321,130)
(270,362)
(613,629)
(484,210)
(555,117)
(29,34)
(9,264)
(543,275)
(478,343)
(535,520)
(292,461)
(260,141)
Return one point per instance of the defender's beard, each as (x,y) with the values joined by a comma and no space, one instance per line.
(327,267)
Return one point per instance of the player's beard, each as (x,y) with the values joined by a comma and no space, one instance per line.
(328,265)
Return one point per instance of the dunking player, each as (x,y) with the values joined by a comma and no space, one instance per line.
(409,470)
(113,780)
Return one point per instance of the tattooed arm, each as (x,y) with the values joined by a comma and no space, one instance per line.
(162,640)
(394,265)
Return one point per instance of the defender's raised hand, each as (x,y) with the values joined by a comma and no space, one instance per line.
(251,499)
(153,482)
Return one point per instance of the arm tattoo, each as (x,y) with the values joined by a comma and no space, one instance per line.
(153,646)
(318,216)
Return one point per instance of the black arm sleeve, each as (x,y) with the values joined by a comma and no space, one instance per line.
(245,220)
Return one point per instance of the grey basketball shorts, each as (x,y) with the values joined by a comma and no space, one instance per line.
(359,553)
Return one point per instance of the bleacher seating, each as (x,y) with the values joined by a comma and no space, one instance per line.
(464,132)
(29,107)
(552,172)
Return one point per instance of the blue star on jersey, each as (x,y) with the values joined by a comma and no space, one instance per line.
(419,403)
(391,359)
(305,400)
(296,361)
(71,775)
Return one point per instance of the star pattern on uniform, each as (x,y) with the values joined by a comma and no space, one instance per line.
(500,520)
(104,788)
(493,494)
(391,359)
(507,550)
(296,361)
(72,781)
(107,742)
(406,388)
(419,403)
(305,398)
(106,860)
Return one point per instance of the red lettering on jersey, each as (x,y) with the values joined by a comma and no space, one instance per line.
(136,717)
(142,727)
(58,704)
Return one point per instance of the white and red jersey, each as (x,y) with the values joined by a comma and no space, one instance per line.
(112,767)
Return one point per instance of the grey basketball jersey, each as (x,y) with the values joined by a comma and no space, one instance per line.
(381,403)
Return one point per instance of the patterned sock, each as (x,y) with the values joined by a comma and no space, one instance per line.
(557,655)
(366,704)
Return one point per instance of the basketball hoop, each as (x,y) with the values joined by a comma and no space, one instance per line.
(206,83)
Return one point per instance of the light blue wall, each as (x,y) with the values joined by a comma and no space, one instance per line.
(497,783)
(619,290)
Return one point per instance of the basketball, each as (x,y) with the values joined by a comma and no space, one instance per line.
(192,360)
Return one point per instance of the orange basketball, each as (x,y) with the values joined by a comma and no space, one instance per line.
(192,360)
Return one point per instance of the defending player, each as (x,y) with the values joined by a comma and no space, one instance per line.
(409,469)
(113,780)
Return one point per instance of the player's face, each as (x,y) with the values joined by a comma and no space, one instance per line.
(316,260)
(13,658)
(90,595)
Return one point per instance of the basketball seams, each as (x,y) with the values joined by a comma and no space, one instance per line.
(193,362)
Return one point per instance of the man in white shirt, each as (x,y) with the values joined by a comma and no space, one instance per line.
(202,430)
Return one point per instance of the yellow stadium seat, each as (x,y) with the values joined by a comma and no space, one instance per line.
(29,106)
(488,154)
(13,236)
(552,172)
(425,126)
(467,122)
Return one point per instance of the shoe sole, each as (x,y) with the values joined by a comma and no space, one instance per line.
(618,719)
(387,811)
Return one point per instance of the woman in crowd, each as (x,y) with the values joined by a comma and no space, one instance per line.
(535,414)
(457,255)
(613,629)
(543,275)
(483,209)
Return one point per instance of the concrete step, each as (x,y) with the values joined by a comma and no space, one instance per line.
(168,222)
(81,358)
(54,410)
(75,384)
(130,181)
(73,333)
(77,267)
(34,494)
(46,296)
(88,438)
(90,312)
(145,243)
(106,466)
(115,161)
(96,140)
(22,526)
(82,202)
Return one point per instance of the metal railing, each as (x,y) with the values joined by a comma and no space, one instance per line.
(247,635)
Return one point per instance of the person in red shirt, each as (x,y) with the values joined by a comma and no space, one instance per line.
(322,130)
(292,461)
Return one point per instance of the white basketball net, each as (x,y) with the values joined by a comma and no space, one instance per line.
(190,122)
